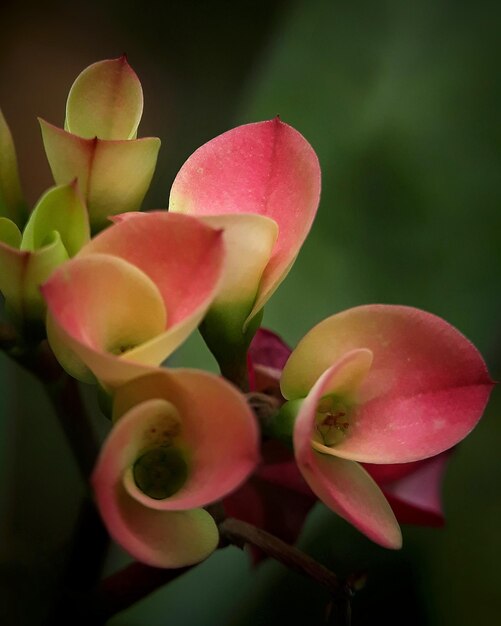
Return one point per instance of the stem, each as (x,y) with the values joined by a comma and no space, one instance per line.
(63,392)
(67,403)
(136,581)
(241,533)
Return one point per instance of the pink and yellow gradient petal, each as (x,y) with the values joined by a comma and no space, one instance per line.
(132,298)
(425,391)
(218,430)
(183,257)
(101,307)
(343,485)
(266,168)
(205,435)
(156,537)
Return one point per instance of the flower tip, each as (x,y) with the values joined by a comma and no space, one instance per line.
(395,543)
(74,185)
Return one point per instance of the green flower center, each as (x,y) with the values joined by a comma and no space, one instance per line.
(160,472)
(332,421)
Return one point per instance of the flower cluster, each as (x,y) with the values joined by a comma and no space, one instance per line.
(359,415)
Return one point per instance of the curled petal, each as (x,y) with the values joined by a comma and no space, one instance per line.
(175,263)
(113,175)
(181,255)
(266,168)
(158,538)
(344,486)
(60,209)
(218,430)
(426,389)
(249,241)
(105,101)
(103,306)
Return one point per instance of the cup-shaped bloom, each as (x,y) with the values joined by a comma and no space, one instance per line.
(182,439)
(132,295)
(58,227)
(378,384)
(98,144)
(12,203)
(260,183)
(279,495)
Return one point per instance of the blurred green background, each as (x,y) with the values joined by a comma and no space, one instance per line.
(401,101)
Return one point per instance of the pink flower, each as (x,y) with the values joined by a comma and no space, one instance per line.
(378,384)
(181,440)
(132,296)
(261,184)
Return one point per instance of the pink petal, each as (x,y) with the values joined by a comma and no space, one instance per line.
(266,168)
(218,429)
(184,256)
(344,486)
(181,255)
(267,356)
(415,490)
(102,306)
(426,390)
(158,538)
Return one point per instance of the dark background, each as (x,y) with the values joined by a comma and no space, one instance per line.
(401,101)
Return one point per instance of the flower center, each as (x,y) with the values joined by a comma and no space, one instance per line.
(160,472)
(332,421)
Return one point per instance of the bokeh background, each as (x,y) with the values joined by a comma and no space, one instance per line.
(401,101)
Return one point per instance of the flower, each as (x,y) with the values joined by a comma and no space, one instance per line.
(132,296)
(278,499)
(378,384)
(260,183)
(98,144)
(181,440)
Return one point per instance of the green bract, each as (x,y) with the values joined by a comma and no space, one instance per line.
(12,203)
(98,145)
(58,227)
